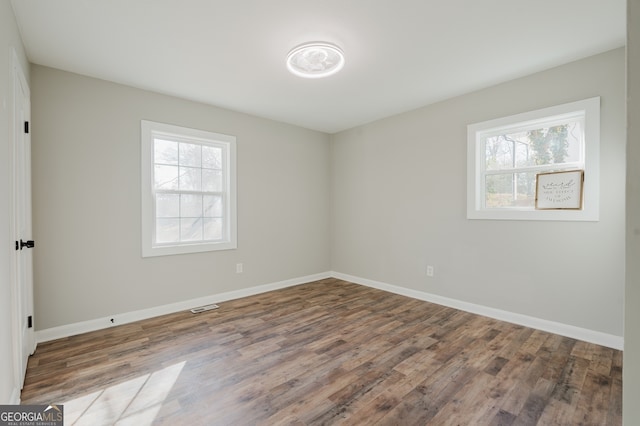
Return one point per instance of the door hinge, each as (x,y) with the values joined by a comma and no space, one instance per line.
(27,244)
(30,321)
(26,127)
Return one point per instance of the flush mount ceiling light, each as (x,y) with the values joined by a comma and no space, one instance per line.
(315,60)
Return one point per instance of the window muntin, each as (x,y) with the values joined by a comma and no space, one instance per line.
(504,156)
(188,190)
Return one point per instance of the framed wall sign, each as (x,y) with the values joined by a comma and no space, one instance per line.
(559,190)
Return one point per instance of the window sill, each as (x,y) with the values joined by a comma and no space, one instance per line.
(531,214)
(187,248)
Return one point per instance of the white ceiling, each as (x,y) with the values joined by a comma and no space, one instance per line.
(400,54)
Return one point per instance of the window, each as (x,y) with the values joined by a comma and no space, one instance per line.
(188,190)
(504,156)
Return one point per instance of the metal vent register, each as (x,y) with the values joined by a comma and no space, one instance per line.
(204,308)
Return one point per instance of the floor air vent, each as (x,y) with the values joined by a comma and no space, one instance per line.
(204,308)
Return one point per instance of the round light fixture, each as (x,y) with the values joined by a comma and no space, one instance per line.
(315,60)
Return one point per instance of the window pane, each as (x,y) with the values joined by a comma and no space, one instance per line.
(213,229)
(211,157)
(499,153)
(526,184)
(212,206)
(510,190)
(165,177)
(191,229)
(167,230)
(499,190)
(165,152)
(211,180)
(190,155)
(190,205)
(576,142)
(167,205)
(556,144)
(190,179)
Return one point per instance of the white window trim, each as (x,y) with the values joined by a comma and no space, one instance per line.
(591,195)
(148,130)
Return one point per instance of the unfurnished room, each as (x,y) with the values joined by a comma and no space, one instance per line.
(418,212)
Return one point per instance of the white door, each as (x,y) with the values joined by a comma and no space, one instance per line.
(24,339)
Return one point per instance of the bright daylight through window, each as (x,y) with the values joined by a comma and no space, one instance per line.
(504,156)
(188,190)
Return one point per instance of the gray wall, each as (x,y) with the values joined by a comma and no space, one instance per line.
(9,41)
(86,183)
(399,194)
(631,361)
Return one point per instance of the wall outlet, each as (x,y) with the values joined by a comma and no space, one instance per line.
(239,268)
(429,270)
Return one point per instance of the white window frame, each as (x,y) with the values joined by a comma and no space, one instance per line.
(151,130)
(476,163)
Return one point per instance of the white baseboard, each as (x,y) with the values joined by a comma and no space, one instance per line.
(128,317)
(604,339)
(597,337)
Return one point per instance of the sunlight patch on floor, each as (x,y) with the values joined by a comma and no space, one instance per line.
(134,402)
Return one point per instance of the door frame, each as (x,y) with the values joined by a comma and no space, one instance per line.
(22,292)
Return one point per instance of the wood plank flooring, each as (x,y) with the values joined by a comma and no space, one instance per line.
(324,353)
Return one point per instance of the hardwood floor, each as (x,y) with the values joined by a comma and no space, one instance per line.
(327,352)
